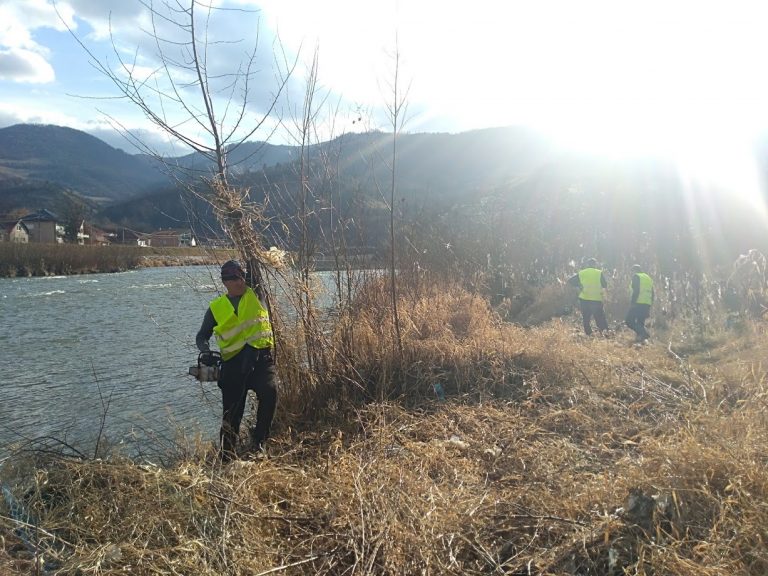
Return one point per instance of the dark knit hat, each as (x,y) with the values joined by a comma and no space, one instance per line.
(231,269)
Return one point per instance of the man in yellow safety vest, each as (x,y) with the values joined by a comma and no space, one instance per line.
(591,281)
(640,303)
(240,321)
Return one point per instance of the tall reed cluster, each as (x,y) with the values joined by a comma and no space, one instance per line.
(55,259)
(22,260)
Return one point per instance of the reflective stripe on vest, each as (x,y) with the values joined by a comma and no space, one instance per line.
(591,286)
(250,326)
(645,296)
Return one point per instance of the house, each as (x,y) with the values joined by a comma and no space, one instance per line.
(187,239)
(126,236)
(164,239)
(41,226)
(14,231)
(98,236)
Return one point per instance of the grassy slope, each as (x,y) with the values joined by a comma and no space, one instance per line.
(553,454)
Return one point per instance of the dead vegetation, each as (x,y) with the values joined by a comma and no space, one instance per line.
(23,260)
(552,454)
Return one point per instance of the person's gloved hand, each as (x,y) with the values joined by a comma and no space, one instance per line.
(207,358)
(249,358)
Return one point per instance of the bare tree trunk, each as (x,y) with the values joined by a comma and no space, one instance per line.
(305,251)
(397,111)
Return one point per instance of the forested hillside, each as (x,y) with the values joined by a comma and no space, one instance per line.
(75,160)
(496,196)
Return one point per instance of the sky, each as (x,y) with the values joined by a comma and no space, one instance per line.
(613,77)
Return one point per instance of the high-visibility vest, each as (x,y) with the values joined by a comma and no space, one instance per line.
(250,326)
(645,296)
(591,286)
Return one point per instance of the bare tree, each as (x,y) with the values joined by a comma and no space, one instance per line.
(203,100)
(397,110)
(304,122)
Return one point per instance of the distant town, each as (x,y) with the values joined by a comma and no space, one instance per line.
(45,227)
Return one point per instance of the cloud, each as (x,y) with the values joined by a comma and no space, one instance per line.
(9,118)
(21,65)
(22,59)
(117,140)
(120,10)
(15,112)
(18,20)
(103,15)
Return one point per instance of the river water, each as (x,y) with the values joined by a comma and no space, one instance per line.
(75,348)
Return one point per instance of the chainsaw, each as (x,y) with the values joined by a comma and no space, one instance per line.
(208,367)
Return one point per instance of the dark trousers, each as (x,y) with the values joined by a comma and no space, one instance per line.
(589,309)
(636,317)
(250,369)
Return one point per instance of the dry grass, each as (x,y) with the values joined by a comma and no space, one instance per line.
(48,259)
(553,454)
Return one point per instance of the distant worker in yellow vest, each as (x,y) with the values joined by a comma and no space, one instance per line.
(240,321)
(591,282)
(640,303)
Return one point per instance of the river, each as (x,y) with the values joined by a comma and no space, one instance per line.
(74,349)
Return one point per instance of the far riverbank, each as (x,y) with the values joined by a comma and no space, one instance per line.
(24,260)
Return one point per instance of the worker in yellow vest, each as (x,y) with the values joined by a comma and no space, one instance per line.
(240,321)
(640,303)
(591,282)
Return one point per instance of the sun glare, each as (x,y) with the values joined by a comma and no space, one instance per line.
(711,150)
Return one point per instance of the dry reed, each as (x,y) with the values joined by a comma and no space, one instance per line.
(552,454)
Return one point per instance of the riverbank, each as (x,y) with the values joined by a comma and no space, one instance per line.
(165,258)
(545,452)
(24,260)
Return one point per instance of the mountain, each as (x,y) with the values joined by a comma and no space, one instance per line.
(509,186)
(427,161)
(74,160)
(449,165)
(245,157)
(431,169)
